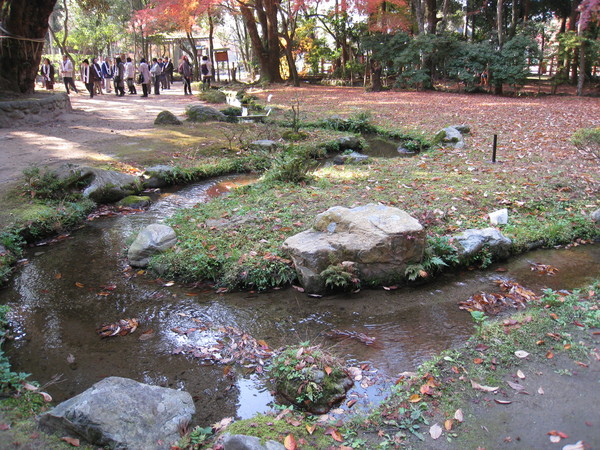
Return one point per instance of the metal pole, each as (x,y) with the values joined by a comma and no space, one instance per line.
(494,148)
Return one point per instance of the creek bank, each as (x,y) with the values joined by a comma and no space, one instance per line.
(33,110)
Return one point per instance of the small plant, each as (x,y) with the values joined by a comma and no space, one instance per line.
(341,277)
(479,318)
(291,166)
(294,115)
(232,113)
(200,435)
(45,184)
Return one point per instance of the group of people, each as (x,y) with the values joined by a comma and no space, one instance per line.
(118,72)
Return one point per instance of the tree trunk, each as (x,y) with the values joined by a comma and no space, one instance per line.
(581,78)
(500,23)
(431,14)
(376,76)
(266,47)
(26,24)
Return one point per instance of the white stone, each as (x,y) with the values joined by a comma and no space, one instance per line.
(499,217)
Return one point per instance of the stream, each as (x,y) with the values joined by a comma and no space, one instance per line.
(64,291)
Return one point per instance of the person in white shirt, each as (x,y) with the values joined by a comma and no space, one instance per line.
(66,70)
(145,77)
(130,75)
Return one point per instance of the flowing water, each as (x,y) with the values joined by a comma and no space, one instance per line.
(66,290)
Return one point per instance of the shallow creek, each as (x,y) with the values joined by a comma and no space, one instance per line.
(66,290)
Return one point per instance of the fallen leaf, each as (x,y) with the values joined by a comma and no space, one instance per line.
(521,354)
(448,424)
(298,288)
(4,426)
(435,431)
(290,442)
(555,439)
(30,387)
(502,402)
(516,386)
(351,403)
(69,440)
(335,434)
(478,360)
(328,370)
(414,398)
(47,397)
(79,285)
(169,283)
(520,374)
(222,424)
(579,445)
(147,335)
(478,386)
(540,391)
(311,428)
(458,415)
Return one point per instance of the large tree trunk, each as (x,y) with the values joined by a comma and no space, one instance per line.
(265,47)
(26,24)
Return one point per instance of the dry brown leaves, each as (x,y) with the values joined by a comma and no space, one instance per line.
(513,295)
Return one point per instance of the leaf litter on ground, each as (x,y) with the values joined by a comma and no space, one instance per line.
(513,295)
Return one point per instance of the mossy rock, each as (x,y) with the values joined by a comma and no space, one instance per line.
(294,136)
(135,201)
(310,378)
(167,118)
(202,113)
(212,96)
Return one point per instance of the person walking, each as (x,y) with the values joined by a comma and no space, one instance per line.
(186,73)
(156,70)
(169,72)
(66,70)
(96,75)
(206,71)
(119,77)
(47,73)
(107,74)
(145,77)
(130,76)
(86,77)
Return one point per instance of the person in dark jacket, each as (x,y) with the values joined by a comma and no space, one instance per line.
(186,73)
(86,77)
(119,77)
(145,77)
(96,72)
(47,73)
(107,73)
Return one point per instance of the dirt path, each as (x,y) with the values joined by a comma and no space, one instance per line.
(81,136)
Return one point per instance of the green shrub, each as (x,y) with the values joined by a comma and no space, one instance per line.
(341,277)
(212,96)
(232,113)
(358,123)
(45,184)
(293,165)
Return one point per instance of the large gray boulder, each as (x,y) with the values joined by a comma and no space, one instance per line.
(472,241)
(102,186)
(349,143)
(122,414)
(151,240)
(352,158)
(380,240)
(244,442)
(596,216)
(450,137)
(202,113)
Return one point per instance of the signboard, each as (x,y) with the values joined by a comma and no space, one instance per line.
(221,56)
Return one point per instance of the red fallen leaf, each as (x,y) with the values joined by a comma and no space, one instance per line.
(558,433)
(502,402)
(579,324)
(328,370)
(549,355)
(335,434)
(4,426)
(579,363)
(554,316)
(351,403)
(390,288)
(481,347)
(79,285)
(298,288)
(478,360)
(69,440)
(426,390)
